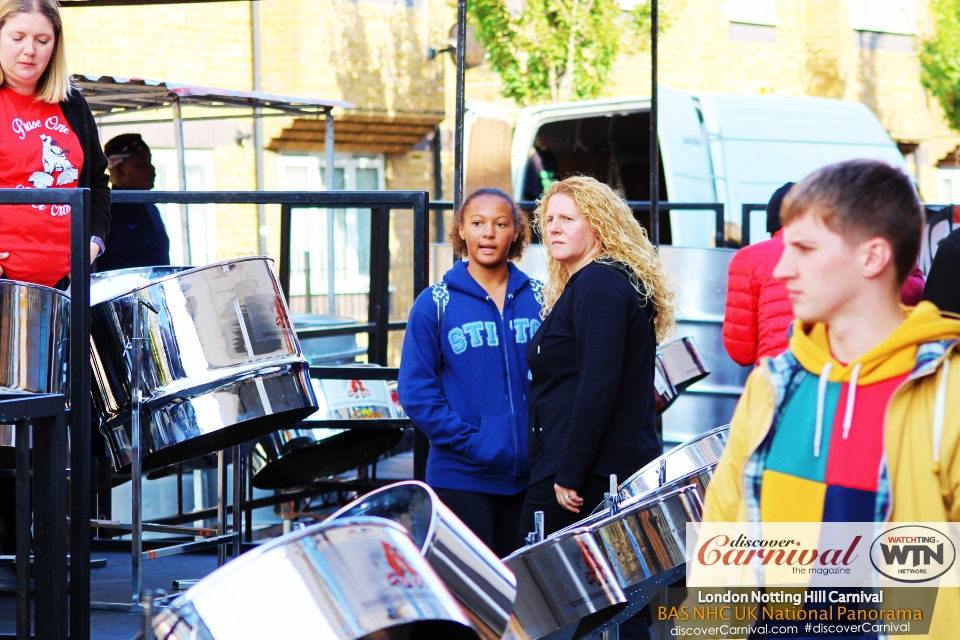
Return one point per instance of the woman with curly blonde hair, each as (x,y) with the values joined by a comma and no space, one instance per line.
(607,302)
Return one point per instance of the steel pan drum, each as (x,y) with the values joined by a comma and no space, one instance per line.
(345,580)
(691,457)
(295,457)
(565,585)
(221,361)
(34,331)
(645,544)
(475,576)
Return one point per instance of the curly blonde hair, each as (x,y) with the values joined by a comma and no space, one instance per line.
(621,239)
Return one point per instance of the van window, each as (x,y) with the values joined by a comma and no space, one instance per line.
(613,149)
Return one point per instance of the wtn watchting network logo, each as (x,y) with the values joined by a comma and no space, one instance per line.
(913,553)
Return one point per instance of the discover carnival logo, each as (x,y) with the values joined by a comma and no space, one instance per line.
(913,553)
(835,554)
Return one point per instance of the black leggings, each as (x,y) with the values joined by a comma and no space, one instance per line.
(494,518)
(542,497)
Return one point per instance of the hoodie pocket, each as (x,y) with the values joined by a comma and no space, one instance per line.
(495,446)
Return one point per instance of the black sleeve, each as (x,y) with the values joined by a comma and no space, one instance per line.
(99,180)
(93,175)
(943,282)
(601,311)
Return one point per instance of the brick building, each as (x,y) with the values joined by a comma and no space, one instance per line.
(374,53)
(858,50)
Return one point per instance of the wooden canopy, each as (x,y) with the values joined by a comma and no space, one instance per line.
(360,131)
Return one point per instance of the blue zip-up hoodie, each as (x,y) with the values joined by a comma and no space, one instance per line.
(466,386)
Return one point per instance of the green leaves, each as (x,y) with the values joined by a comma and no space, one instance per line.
(940,59)
(557,50)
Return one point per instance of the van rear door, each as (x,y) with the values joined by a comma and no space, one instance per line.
(757,143)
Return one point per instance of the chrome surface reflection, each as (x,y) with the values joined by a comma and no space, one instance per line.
(294,457)
(691,456)
(645,544)
(345,580)
(221,362)
(700,282)
(34,332)
(565,585)
(479,581)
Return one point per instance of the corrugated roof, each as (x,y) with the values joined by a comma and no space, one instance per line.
(108,94)
(360,131)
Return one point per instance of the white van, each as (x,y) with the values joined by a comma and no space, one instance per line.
(714,147)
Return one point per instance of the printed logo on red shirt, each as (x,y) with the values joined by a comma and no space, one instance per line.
(38,150)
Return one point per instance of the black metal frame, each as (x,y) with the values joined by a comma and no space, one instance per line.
(745,211)
(52,507)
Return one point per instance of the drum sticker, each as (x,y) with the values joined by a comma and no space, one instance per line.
(402,573)
(357,399)
(595,573)
(268,317)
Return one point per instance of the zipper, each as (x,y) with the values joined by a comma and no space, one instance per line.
(506,363)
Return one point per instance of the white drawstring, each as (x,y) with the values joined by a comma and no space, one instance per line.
(821,393)
(939,407)
(851,399)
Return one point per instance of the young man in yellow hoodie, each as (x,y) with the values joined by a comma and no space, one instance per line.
(859,420)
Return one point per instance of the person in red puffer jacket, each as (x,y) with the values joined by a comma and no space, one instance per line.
(758,310)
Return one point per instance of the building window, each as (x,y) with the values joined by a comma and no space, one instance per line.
(884,16)
(202,217)
(351,226)
(760,12)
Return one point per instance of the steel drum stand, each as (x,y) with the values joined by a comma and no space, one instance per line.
(216,537)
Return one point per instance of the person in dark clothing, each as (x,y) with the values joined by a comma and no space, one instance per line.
(542,170)
(607,303)
(943,282)
(463,377)
(138,237)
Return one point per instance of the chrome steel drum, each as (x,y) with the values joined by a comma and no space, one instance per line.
(683,362)
(221,361)
(479,581)
(356,578)
(34,330)
(295,457)
(685,461)
(663,390)
(645,544)
(565,585)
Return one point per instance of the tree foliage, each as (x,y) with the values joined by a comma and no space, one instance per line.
(557,50)
(940,59)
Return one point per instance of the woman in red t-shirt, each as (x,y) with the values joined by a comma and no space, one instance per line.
(48,139)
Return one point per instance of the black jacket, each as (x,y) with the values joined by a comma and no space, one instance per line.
(943,282)
(592,407)
(93,173)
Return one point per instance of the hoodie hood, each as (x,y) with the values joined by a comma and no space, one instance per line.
(893,357)
(459,279)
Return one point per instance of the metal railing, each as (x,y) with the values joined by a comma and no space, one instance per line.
(380,204)
(52,597)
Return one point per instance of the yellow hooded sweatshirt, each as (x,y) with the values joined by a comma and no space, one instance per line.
(921,431)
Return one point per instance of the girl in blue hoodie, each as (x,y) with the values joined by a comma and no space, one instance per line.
(464,378)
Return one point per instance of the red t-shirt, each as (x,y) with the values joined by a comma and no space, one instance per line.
(38,150)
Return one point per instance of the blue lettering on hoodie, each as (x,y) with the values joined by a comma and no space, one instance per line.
(465,383)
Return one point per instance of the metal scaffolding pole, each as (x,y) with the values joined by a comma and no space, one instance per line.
(654,141)
(182,176)
(458,166)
